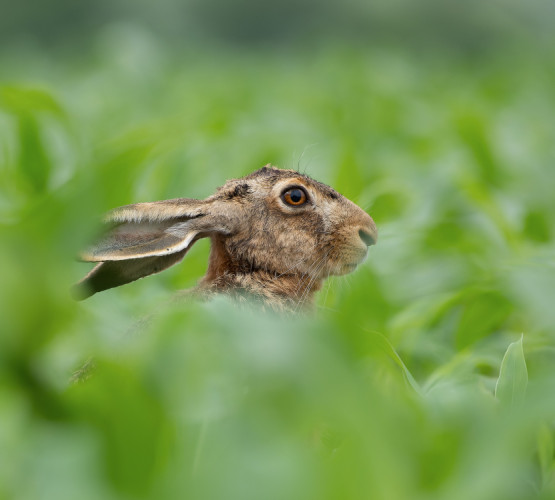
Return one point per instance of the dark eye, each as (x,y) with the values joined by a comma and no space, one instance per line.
(294,196)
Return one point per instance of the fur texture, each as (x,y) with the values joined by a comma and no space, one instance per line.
(262,245)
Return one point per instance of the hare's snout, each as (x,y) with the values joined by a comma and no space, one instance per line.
(366,228)
(359,234)
(369,238)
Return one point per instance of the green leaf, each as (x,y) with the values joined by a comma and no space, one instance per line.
(34,164)
(513,375)
(19,99)
(382,342)
(545,453)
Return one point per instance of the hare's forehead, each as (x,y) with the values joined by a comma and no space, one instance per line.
(278,183)
(261,186)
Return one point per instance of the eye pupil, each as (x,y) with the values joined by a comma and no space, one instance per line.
(296,195)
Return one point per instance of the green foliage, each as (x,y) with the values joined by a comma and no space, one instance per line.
(513,376)
(411,381)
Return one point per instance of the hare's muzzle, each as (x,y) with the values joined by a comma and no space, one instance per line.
(367,230)
(368,236)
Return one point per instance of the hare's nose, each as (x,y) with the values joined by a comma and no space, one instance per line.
(368,236)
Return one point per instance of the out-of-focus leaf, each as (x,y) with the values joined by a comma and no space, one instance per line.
(381,341)
(537,227)
(34,163)
(483,312)
(474,132)
(513,376)
(545,454)
(136,431)
(19,100)
(465,213)
(389,205)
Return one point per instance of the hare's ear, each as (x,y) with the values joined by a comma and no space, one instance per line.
(107,275)
(146,238)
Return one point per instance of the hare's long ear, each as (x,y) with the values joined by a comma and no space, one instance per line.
(107,275)
(146,238)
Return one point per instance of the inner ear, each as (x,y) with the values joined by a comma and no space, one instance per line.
(133,240)
(111,274)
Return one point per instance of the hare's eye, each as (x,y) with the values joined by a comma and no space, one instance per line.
(295,196)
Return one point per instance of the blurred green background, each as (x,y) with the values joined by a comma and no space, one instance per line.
(427,374)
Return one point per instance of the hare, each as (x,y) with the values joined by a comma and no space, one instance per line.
(276,235)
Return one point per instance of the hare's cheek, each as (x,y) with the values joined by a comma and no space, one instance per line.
(333,265)
(348,258)
(343,268)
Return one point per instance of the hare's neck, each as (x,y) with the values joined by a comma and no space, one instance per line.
(286,291)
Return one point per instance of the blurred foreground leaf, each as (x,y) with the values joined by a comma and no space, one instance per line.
(545,456)
(513,376)
(19,99)
(33,161)
(383,343)
(209,401)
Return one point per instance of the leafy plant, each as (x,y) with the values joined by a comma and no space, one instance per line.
(412,380)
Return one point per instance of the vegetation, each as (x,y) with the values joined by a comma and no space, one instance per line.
(426,374)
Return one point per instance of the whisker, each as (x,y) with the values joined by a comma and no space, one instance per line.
(311,267)
(304,296)
(328,287)
(367,206)
(308,272)
(308,146)
(311,284)
(314,266)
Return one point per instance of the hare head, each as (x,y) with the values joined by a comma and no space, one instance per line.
(276,236)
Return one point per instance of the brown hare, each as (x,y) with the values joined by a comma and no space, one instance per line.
(276,235)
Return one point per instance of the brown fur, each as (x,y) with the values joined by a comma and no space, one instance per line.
(261,247)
